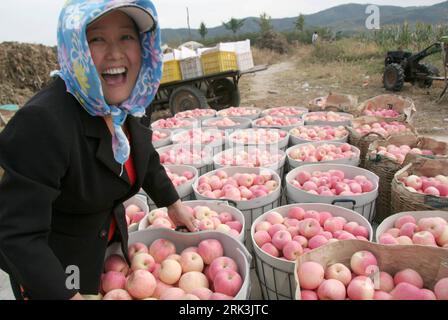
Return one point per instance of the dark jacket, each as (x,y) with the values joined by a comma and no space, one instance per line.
(60,189)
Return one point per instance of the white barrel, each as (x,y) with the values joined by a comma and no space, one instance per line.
(163,142)
(347,121)
(252,114)
(296,112)
(298,140)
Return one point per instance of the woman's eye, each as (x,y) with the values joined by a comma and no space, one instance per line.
(128,37)
(97,39)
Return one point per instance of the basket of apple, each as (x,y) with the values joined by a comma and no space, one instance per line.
(427,228)
(199,114)
(209,215)
(136,208)
(386,157)
(296,112)
(169,265)
(251,156)
(389,106)
(337,184)
(322,152)
(214,138)
(306,134)
(421,186)
(335,102)
(161,138)
(360,270)
(267,138)
(329,118)
(284,123)
(228,124)
(251,113)
(195,155)
(252,190)
(174,124)
(281,235)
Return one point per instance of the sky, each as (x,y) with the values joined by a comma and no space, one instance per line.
(35,21)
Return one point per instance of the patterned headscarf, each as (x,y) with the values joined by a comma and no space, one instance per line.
(81,77)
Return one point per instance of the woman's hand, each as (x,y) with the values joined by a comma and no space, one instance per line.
(181,216)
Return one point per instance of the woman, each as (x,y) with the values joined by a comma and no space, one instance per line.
(78,150)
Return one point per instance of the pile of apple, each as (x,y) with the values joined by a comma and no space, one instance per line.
(171,123)
(238,112)
(270,121)
(285,112)
(326,116)
(385,113)
(183,155)
(257,136)
(302,231)
(178,180)
(158,272)
(254,157)
(205,219)
(339,282)
(134,214)
(238,187)
(196,113)
(198,135)
(158,135)
(224,122)
(383,128)
(407,230)
(331,183)
(324,152)
(319,133)
(434,186)
(398,153)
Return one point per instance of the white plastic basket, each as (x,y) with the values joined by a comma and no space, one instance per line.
(255,114)
(211,113)
(142,204)
(347,122)
(242,123)
(352,161)
(232,249)
(299,123)
(216,145)
(276,275)
(278,166)
(163,142)
(297,140)
(389,222)
(364,204)
(194,124)
(300,111)
(191,68)
(245,61)
(206,163)
(281,144)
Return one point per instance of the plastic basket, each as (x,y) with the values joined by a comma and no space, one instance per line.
(216,145)
(245,61)
(352,161)
(364,204)
(163,142)
(139,202)
(218,61)
(171,71)
(281,144)
(242,123)
(298,111)
(299,123)
(191,68)
(276,275)
(193,123)
(210,113)
(252,112)
(346,122)
(297,140)
(232,249)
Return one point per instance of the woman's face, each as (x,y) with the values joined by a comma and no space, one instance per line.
(115,48)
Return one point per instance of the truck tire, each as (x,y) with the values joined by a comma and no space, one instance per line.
(225,93)
(393,78)
(187,98)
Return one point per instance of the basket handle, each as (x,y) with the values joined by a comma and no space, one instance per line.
(373,134)
(345,201)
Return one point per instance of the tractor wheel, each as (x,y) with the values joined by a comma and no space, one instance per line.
(393,78)
(225,92)
(187,98)
(430,70)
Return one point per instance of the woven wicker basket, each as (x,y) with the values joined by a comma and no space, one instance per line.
(403,105)
(405,200)
(363,141)
(386,168)
(335,102)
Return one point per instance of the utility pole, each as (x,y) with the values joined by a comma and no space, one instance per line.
(188,23)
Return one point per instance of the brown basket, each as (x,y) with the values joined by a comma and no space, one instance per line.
(403,105)
(405,200)
(335,102)
(430,262)
(362,142)
(386,168)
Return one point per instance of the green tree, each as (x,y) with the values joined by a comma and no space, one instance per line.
(234,25)
(203,30)
(300,23)
(265,23)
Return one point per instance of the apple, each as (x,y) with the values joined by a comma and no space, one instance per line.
(193,280)
(361,261)
(221,263)
(209,250)
(191,261)
(170,271)
(311,275)
(143,261)
(409,276)
(441,289)
(331,290)
(116,263)
(112,280)
(117,294)
(136,248)
(340,272)
(160,249)
(361,288)
(141,284)
(228,282)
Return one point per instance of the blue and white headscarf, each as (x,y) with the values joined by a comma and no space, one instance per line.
(80,74)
